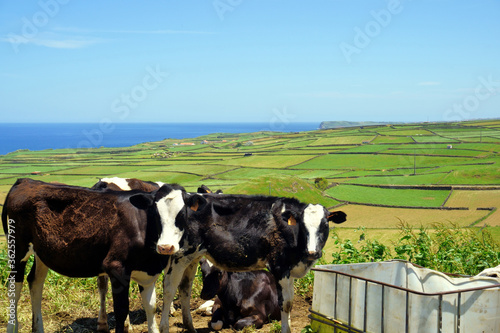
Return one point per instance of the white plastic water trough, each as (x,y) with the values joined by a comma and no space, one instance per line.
(397,297)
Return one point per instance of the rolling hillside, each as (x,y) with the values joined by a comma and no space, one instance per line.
(442,169)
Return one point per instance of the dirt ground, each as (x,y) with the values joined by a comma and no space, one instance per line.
(66,322)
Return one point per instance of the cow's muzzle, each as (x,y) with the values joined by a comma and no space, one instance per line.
(313,255)
(165,249)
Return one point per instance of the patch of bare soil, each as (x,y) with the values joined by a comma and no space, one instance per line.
(65,322)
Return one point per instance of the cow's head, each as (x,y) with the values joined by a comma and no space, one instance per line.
(213,279)
(306,227)
(316,218)
(166,203)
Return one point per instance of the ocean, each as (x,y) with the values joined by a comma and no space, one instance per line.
(40,136)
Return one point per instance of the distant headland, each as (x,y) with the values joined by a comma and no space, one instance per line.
(337,124)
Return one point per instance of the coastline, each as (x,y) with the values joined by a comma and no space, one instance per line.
(42,136)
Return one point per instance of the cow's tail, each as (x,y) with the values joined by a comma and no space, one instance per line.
(5,218)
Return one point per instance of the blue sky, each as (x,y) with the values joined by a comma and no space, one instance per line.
(249,60)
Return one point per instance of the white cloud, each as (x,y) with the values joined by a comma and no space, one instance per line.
(65,43)
(76,38)
(429,83)
(52,40)
(145,32)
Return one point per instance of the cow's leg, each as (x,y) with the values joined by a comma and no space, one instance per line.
(36,278)
(120,283)
(171,281)
(185,288)
(148,295)
(285,300)
(253,313)
(256,320)
(102,319)
(217,321)
(14,287)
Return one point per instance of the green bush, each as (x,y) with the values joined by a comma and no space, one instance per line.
(448,249)
(321,183)
(368,251)
(451,250)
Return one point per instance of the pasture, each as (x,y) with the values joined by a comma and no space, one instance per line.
(423,175)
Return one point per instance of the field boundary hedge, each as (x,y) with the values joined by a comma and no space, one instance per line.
(405,207)
(431,187)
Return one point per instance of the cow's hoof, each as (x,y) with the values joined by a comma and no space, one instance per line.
(217,326)
(102,327)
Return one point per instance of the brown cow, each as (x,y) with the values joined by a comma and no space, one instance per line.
(79,232)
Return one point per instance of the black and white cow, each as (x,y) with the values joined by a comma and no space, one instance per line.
(242,298)
(129,184)
(126,184)
(79,232)
(245,233)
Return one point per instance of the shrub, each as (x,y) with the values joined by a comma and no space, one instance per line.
(321,183)
(275,327)
(369,250)
(448,249)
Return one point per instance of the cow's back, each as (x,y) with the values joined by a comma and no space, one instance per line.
(71,228)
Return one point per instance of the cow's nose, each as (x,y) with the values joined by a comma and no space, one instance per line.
(313,255)
(165,249)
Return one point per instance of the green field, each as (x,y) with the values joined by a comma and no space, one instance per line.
(393,157)
(363,165)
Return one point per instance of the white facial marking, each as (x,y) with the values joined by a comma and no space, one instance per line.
(120,182)
(160,184)
(168,208)
(313,214)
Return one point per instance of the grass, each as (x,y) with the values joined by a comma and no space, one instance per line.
(425,179)
(394,197)
(384,217)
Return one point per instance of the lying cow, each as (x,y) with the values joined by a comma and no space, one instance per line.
(244,233)
(243,298)
(80,232)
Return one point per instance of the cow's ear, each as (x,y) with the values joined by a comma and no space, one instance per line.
(142,200)
(289,218)
(291,232)
(195,201)
(204,189)
(337,217)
